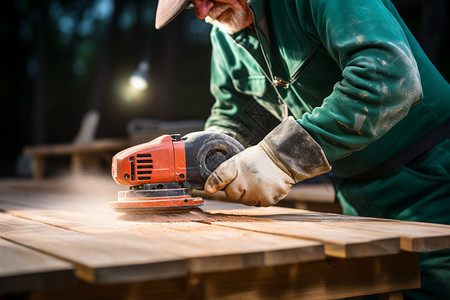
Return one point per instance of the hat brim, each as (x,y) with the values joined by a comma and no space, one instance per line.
(167,10)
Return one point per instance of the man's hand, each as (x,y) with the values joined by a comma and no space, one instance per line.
(263,174)
(252,178)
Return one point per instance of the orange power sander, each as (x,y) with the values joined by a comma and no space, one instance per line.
(161,172)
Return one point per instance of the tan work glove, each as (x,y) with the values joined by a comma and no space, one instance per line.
(263,174)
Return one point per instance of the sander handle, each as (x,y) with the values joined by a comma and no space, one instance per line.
(205,151)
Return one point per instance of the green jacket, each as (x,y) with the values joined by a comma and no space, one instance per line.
(352,74)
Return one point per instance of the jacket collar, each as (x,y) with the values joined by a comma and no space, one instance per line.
(257,7)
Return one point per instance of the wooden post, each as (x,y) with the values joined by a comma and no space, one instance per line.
(38,166)
(391,296)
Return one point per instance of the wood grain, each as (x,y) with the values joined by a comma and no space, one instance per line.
(96,259)
(330,279)
(348,243)
(23,269)
(339,243)
(208,248)
(222,251)
(414,236)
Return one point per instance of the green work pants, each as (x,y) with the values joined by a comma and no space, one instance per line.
(419,191)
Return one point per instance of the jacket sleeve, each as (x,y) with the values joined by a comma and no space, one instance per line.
(380,78)
(235,111)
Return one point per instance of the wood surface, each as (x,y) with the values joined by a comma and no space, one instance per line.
(337,242)
(22,268)
(314,192)
(96,259)
(172,239)
(332,278)
(221,250)
(414,236)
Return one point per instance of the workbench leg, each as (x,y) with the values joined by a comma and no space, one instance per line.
(192,287)
(92,162)
(391,296)
(38,166)
(85,162)
(77,164)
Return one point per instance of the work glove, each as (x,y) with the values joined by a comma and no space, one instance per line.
(262,175)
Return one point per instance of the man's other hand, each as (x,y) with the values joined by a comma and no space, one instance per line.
(252,178)
(263,174)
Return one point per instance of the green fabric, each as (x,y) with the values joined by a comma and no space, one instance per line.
(417,192)
(354,69)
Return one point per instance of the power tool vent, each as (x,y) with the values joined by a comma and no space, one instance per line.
(144,166)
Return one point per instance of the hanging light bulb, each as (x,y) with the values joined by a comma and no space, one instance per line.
(140,79)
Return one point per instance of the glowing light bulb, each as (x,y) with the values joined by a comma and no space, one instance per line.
(140,79)
(138,82)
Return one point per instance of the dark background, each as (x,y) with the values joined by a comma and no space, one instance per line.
(60,59)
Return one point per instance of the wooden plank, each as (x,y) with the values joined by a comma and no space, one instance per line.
(207,248)
(414,236)
(96,259)
(314,192)
(167,289)
(23,269)
(330,279)
(348,243)
(314,206)
(100,145)
(316,197)
(82,193)
(338,242)
(258,266)
(366,240)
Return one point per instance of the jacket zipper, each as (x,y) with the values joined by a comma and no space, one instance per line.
(276,82)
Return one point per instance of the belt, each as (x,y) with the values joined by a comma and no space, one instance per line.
(406,156)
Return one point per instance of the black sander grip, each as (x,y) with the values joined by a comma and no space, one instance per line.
(205,151)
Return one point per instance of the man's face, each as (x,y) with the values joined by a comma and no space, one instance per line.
(230,16)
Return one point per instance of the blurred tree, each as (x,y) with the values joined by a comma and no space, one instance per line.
(432,27)
(38,105)
(103,74)
(168,79)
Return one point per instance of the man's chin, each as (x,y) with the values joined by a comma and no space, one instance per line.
(225,27)
(229,27)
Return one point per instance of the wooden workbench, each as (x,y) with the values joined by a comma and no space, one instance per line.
(59,240)
(83,156)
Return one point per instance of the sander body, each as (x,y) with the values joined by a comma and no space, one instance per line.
(160,173)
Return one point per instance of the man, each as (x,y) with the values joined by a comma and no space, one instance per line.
(353,91)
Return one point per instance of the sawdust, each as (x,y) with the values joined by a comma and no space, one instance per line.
(225,218)
(193,215)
